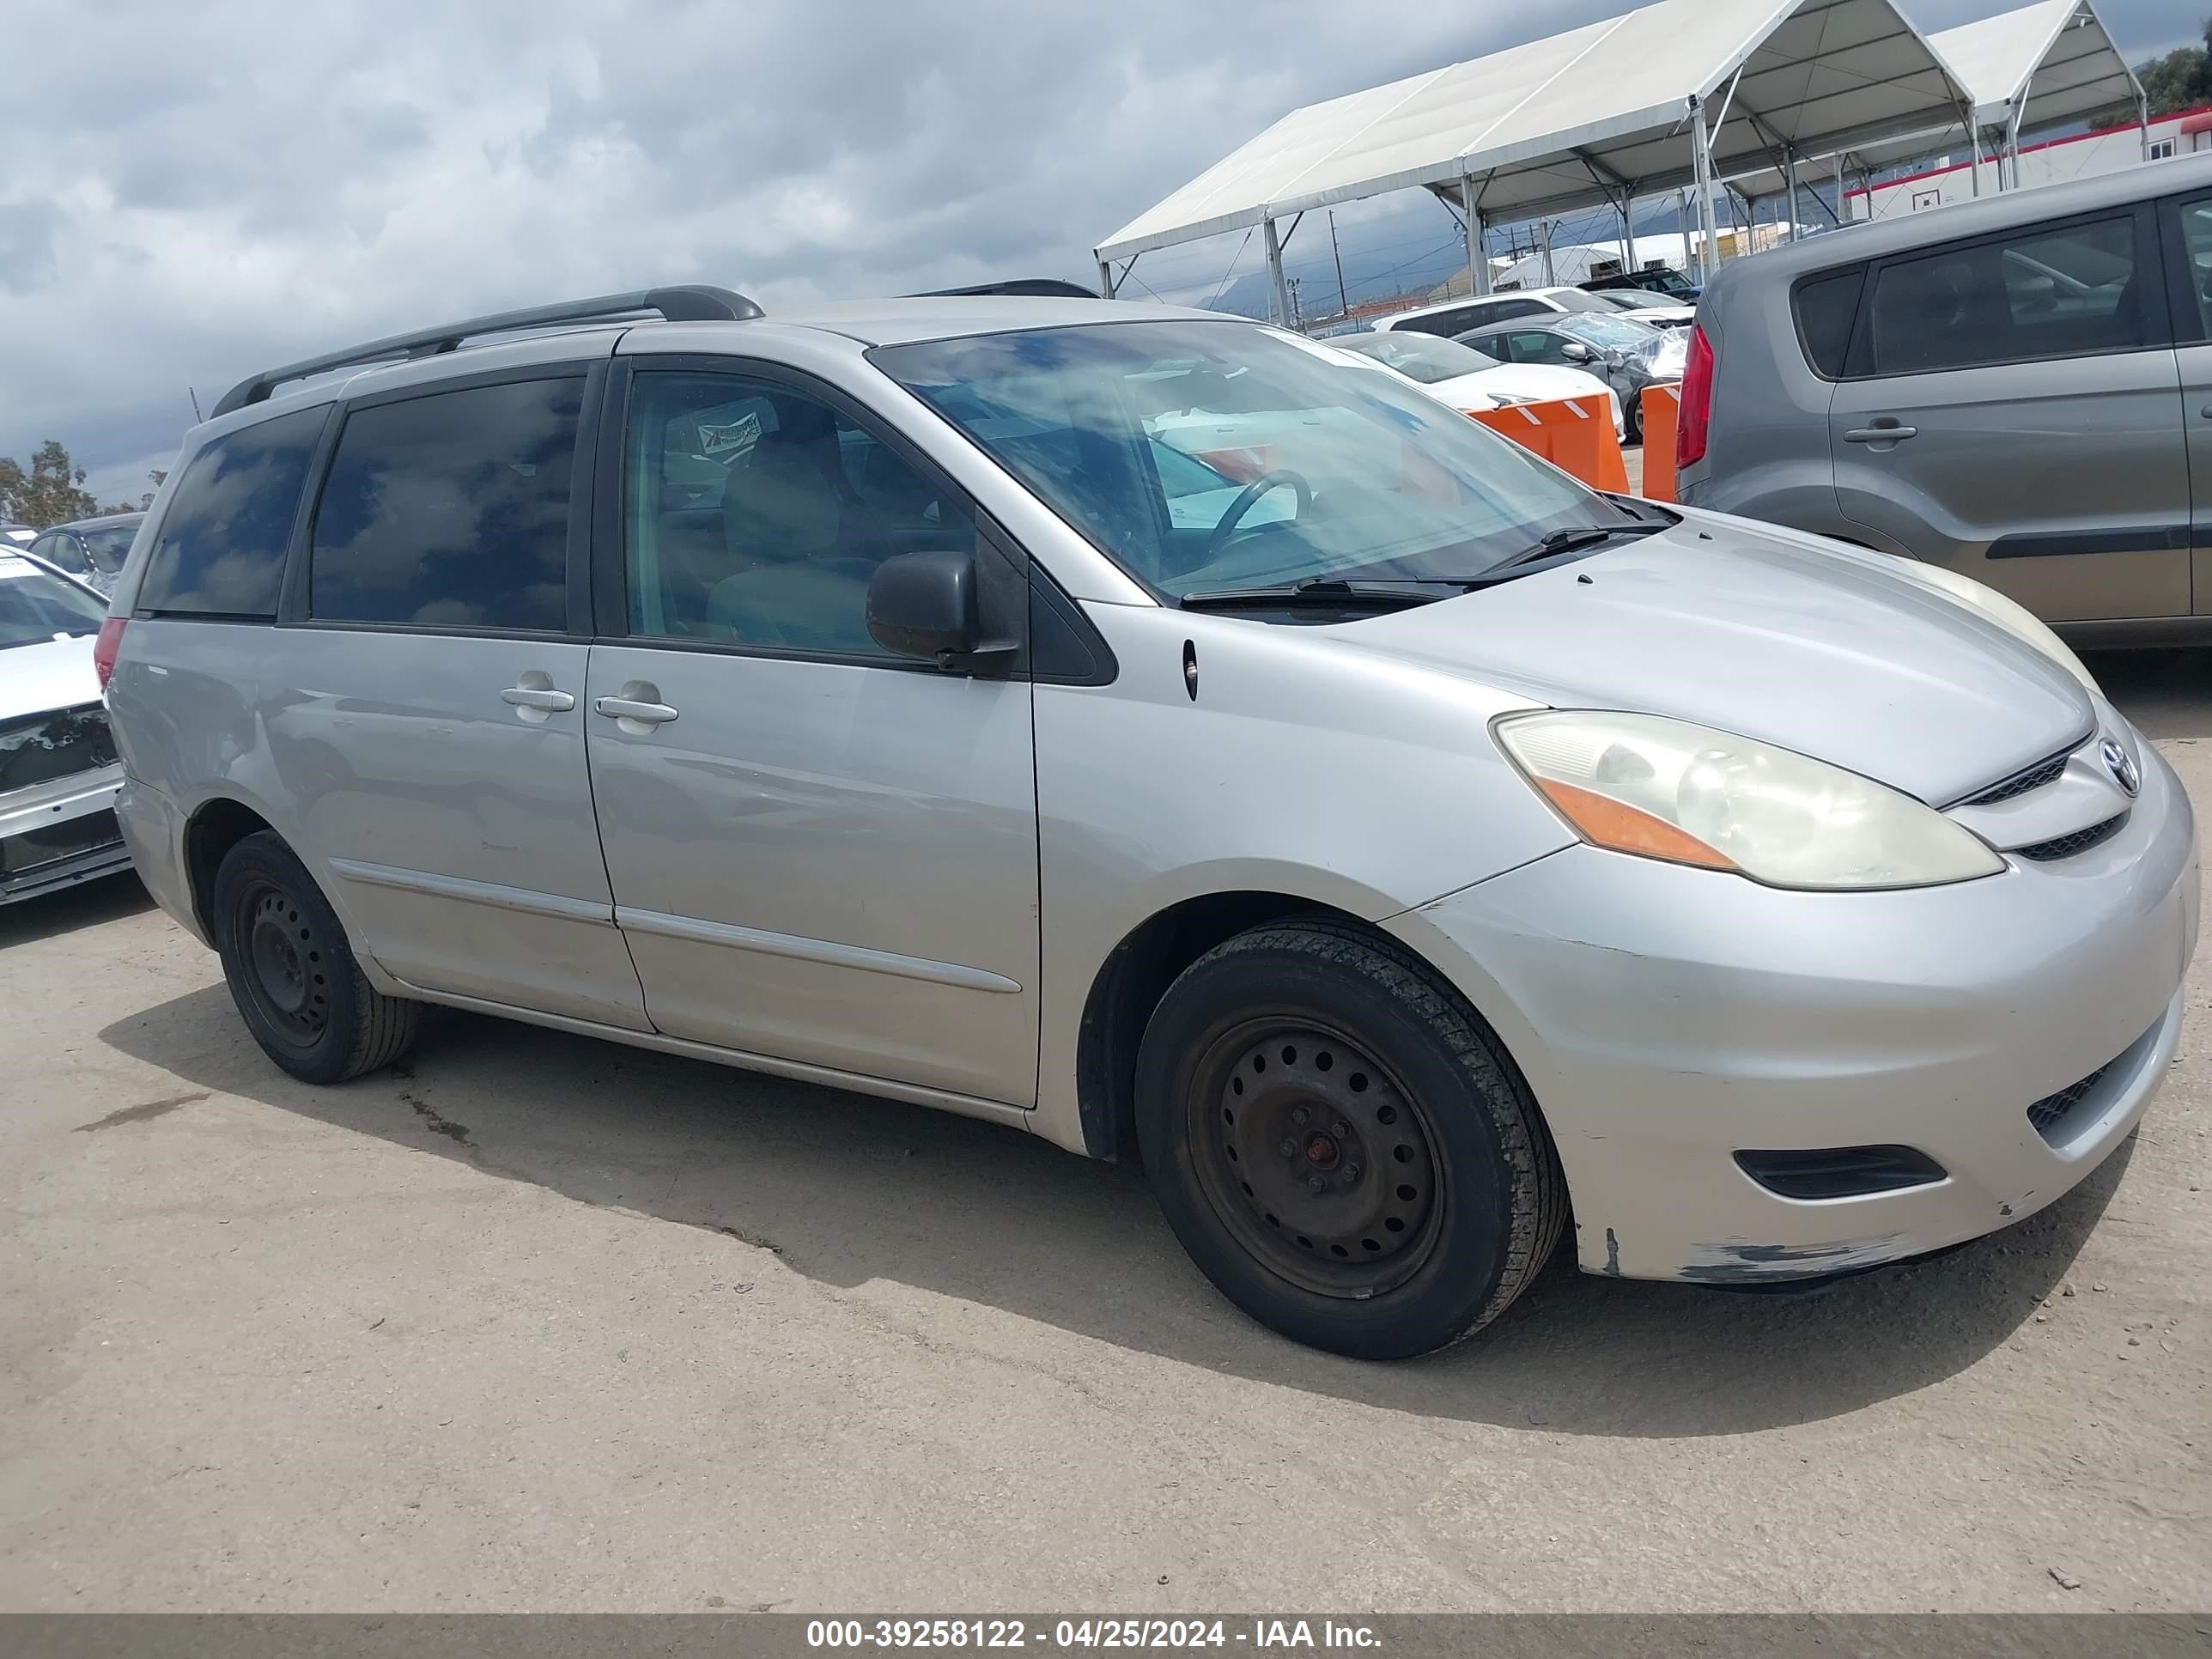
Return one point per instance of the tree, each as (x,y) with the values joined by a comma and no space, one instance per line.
(2180,80)
(52,492)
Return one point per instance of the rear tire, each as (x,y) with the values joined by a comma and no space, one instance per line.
(293,974)
(1342,1146)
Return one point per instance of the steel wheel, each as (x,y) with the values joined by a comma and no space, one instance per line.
(287,977)
(1316,1157)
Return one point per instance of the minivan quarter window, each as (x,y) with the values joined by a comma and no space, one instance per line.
(2041,292)
(451,510)
(220,548)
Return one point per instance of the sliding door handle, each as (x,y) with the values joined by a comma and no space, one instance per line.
(626,708)
(1879,433)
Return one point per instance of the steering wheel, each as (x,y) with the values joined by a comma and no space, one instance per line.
(1251,493)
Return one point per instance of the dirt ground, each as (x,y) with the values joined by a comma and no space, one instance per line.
(543,1323)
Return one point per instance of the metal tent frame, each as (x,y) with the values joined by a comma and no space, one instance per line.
(2050,63)
(1671,95)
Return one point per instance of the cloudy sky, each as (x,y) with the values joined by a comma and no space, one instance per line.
(189,192)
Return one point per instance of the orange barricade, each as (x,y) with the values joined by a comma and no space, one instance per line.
(1662,407)
(1573,433)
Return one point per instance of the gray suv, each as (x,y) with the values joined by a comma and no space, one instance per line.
(2018,389)
(1163,735)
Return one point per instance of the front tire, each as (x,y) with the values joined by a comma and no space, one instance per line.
(1341,1146)
(293,974)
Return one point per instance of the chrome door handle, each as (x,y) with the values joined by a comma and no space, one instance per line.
(1880,434)
(541,697)
(645,714)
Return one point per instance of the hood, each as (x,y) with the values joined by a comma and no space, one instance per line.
(52,674)
(1826,652)
(1538,380)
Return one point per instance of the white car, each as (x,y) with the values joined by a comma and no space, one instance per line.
(1456,317)
(58,775)
(1660,310)
(1469,379)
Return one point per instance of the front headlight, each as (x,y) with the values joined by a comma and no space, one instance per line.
(1665,789)
(2007,614)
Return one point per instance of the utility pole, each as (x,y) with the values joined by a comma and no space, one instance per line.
(1296,322)
(1343,299)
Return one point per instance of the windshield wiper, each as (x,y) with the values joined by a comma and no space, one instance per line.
(1315,592)
(1574,540)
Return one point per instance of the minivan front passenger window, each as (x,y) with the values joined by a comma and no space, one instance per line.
(758,514)
(2041,294)
(450,511)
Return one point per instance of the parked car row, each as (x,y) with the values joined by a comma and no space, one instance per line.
(1626,339)
(1469,379)
(1196,745)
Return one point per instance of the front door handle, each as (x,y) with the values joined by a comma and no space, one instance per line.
(1880,433)
(628,708)
(2206,411)
(540,697)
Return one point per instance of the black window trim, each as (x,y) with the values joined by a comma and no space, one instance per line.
(592,374)
(2182,299)
(302,515)
(2151,297)
(610,560)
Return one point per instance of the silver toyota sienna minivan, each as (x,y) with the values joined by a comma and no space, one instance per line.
(1144,728)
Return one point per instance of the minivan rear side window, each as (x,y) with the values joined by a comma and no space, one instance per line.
(220,549)
(451,510)
(2045,291)
(1827,306)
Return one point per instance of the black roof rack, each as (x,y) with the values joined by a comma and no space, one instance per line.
(1041,287)
(687,304)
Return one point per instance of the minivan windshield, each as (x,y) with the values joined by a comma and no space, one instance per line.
(36,605)
(1427,358)
(1310,469)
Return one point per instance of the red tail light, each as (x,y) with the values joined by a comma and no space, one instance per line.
(1697,401)
(105,647)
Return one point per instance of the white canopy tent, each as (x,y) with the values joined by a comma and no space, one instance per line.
(1662,98)
(2049,63)
(2054,60)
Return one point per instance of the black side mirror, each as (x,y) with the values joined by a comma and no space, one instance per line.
(930,605)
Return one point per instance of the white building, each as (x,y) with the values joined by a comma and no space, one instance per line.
(1953,178)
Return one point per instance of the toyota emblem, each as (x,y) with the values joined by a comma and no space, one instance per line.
(2122,765)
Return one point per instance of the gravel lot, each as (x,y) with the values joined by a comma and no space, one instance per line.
(543,1323)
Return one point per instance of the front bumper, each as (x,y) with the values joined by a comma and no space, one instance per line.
(57,834)
(1665,1017)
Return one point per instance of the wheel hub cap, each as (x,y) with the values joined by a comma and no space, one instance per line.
(1317,1157)
(286,972)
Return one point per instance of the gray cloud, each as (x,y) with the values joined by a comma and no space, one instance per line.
(192,192)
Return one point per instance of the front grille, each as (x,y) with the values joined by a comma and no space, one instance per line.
(1840,1171)
(2048,1113)
(38,748)
(2035,776)
(2066,846)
